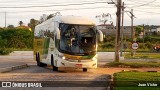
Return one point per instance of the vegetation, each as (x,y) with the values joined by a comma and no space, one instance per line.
(146,44)
(143,56)
(5,51)
(134,64)
(11,38)
(131,80)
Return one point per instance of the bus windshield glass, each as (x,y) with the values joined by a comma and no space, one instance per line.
(77,39)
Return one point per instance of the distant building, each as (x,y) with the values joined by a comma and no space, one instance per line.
(153,30)
(109,29)
(104,26)
(158,29)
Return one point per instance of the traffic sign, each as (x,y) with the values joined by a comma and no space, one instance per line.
(135,46)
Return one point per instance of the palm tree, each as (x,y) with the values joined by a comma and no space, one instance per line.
(20,23)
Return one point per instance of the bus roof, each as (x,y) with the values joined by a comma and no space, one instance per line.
(74,20)
(66,19)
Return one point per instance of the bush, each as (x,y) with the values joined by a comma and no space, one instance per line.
(108,45)
(5,51)
(139,39)
(149,45)
(16,38)
(109,39)
(142,46)
(147,39)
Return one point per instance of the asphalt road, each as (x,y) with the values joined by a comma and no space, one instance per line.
(42,74)
(35,73)
(26,57)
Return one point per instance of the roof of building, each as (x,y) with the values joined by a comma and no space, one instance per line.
(105,25)
(23,26)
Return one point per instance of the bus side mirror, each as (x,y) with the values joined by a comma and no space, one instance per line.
(100,35)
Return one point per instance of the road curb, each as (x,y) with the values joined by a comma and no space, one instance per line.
(3,70)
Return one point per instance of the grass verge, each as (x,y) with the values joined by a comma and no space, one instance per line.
(133,64)
(131,80)
(143,56)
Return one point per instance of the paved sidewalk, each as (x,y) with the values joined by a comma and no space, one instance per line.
(15,60)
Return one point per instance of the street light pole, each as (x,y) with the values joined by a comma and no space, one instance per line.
(5,18)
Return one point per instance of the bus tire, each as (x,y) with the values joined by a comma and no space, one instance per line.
(84,69)
(52,63)
(38,61)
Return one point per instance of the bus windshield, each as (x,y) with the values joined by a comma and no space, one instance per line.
(77,39)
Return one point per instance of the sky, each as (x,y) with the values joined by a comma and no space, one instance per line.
(146,11)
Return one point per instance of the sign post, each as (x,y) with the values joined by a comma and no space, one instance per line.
(135,46)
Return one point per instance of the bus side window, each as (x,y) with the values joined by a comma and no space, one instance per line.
(39,43)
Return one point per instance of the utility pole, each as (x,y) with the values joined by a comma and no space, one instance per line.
(118,25)
(5,18)
(122,29)
(132,31)
(143,33)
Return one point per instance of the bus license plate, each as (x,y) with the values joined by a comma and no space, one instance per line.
(78,65)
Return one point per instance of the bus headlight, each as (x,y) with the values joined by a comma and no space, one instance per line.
(63,57)
(94,58)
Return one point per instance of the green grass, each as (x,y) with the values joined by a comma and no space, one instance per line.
(137,76)
(127,50)
(130,80)
(105,49)
(134,64)
(143,56)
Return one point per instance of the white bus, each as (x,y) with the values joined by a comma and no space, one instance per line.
(66,41)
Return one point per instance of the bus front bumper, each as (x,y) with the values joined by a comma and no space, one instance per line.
(84,64)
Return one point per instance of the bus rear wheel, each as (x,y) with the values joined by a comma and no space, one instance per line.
(52,63)
(84,69)
(38,61)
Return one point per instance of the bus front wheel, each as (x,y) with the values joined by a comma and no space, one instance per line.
(52,63)
(84,69)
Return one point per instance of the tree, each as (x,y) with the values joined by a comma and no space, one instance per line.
(45,17)
(53,15)
(33,23)
(16,38)
(104,18)
(139,29)
(20,23)
(10,26)
(50,16)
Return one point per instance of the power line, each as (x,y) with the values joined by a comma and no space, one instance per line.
(61,9)
(43,4)
(147,12)
(53,5)
(143,4)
